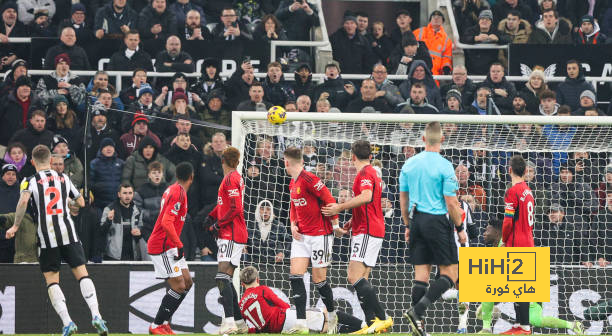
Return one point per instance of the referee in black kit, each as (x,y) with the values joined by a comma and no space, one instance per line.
(428,192)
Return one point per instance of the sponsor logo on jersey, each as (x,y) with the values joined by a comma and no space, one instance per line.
(177,207)
(319,186)
(233,192)
(299,202)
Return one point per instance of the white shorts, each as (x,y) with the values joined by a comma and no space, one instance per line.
(166,267)
(315,319)
(365,248)
(229,251)
(317,248)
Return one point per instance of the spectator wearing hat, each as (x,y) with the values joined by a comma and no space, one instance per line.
(589,32)
(146,106)
(19,68)
(461,83)
(484,32)
(588,100)
(409,50)
(178,106)
(576,10)
(403,19)
(135,169)
(173,59)
(439,44)
(99,130)
(35,133)
(41,26)
(179,82)
(298,17)
(84,33)
(72,165)
(216,112)
(209,80)
(369,98)
(16,107)
(352,50)
(10,26)
(115,19)
(385,88)
(77,55)
(453,103)
(419,73)
(63,121)
(303,84)
(551,30)
(105,173)
(566,236)
(61,82)
(28,8)
(501,9)
(181,9)
(533,89)
(140,128)
(519,104)
(156,23)
(569,91)
(9,196)
(131,57)
(382,45)
(230,28)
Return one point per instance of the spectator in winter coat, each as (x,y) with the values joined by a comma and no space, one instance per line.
(173,59)
(503,7)
(210,171)
(568,92)
(519,104)
(588,101)
(574,195)
(216,112)
(276,90)
(231,29)
(298,17)
(533,89)
(478,61)
(453,104)
(210,79)
(419,73)
(303,84)
(135,169)
(600,239)
(72,165)
(178,82)
(86,225)
(105,174)
(385,88)
(120,226)
(156,22)
(132,57)
(129,94)
(559,138)
(61,82)
(140,128)
(548,103)
(239,84)
(193,29)
(516,27)
(382,45)
(409,50)
(180,9)
(35,133)
(64,121)
(369,98)
(576,10)
(115,19)
(502,90)
(84,33)
(563,232)
(77,55)
(256,94)
(9,196)
(16,155)
(352,50)
(468,187)
(27,9)
(268,239)
(335,89)
(403,19)
(10,26)
(184,151)
(99,130)
(418,101)
(269,29)
(18,68)
(480,104)
(589,32)
(179,107)
(148,197)
(551,30)
(462,84)
(16,107)
(146,106)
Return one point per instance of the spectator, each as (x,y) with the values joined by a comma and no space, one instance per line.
(303,104)
(418,101)
(256,94)
(210,80)
(182,7)
(16,154)
(9,196)
(131,140)
(216,112)
(239,84)
(369,98)
(303,84)
(467,14)
(600,239)
(551,30)
(84,34)
(605,187)
(179,82)
(589,32)
(113,114)
(230,28)
(323,105)
(363,21)
(132,57)
(17,106)
(99,84)
(439,44)
(183,125)
(269,29)
(276,90)
(72,165)
(173,59)
(210,171)
(268,238)
(419,73)
(588,101)
(352,51)
(468,187)
(41,26)
(129,94)
(10,27)
(178,107)
(478,61)
(183,151)
(120,226)
(28,8)
(382,45)
(135,168)
(98,131)
(559,138)
(105,173)
(576,10)
(115,19)
(403,19)
(519,104)
(19,68)
(480,105)
(533,89)
(586,167)
(411,50)
(563,236)
(86,224)
(35,133)
(568,92)
(156,22)
(298,17)
(146,106)
(453,103)
(502,90)
(148,198)
(193,29)
(462,84)
(385,88)
(502,8)
(63,121)
(291,106)
(77,55)
(548,103)
(61,82)
(516,27)
(335,89)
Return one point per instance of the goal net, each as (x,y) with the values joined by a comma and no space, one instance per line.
(568,170)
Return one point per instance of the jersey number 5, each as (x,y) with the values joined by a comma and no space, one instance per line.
(52,209)
(258,319)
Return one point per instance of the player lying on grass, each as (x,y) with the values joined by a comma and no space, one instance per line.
(269,314)
(487,310)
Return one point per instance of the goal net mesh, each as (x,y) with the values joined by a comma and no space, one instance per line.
(567,170)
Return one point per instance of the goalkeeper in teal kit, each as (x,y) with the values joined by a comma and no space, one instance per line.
(487,310)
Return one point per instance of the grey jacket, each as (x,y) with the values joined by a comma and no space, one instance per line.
(114,231)
(393,96)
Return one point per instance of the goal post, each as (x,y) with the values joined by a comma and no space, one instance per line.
(568,159)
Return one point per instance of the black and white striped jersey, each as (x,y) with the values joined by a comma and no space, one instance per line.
(49,207)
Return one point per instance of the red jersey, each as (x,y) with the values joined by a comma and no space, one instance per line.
(229,211)
(170,221)
(519,216)
(308,195)
(368,218)
(264,309)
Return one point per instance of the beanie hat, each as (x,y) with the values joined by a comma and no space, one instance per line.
(7,168)
(523,95)
(57,139)
(139,117)
(98,109)
(589,94)
(107,142)
(408,39)
(63,57)
(486,14)
(77,7)
(60,99)
(145,88)
(180,75)
(23,81)
(402,12)
(41,12)
(7,5)
(587,18)
(438,13)
(17,63)
(454,93)
(179,94)
(349,18)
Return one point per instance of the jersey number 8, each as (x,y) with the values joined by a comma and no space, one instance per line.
(530,215)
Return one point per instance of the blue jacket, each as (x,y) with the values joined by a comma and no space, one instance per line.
(105,178)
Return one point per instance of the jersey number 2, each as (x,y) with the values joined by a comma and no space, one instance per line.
(259,322)
(52,209)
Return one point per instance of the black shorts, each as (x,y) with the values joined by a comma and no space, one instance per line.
(51,258)
(432,240)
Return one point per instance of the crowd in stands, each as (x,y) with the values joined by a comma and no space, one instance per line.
(136,136)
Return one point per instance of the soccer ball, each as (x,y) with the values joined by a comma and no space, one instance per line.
(277,115)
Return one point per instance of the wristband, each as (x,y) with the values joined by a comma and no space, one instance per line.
(459,228)
(335,226)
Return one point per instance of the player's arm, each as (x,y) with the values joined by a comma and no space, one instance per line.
(455,211)
(404,202)
(320,190)
(169,218)
(295,231)
(74,193)
(511,202)
(364,197)
(269,295)
(22,206)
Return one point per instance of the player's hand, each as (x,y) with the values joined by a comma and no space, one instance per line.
(135,232)
(331,209)
(210,224)
(462,237)
(602,262)
(110,215)
(339,232)
(348,224)
(179,253)
(407,234)
(206,251)
(295,233)
(10,233)
(279,257)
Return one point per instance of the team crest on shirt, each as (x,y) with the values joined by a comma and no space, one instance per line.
(298,190)
(177,207)
(176,269)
